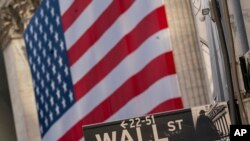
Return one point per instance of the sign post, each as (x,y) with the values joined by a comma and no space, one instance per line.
(199,123)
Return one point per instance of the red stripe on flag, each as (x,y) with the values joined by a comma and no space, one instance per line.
(73,12)
(153,23)
(107,18)
(168,105)
(130,89)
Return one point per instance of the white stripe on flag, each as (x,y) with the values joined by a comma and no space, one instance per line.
(85,20)
(64,5)
(149,99)
(162,90)
(144,54)
(82,139)
(119,29)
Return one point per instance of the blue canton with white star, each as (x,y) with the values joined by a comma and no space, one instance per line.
(47,56)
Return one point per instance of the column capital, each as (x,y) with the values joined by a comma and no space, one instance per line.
(14,17)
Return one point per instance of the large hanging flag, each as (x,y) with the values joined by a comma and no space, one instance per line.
(96,61)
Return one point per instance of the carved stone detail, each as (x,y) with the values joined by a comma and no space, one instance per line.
(14,16)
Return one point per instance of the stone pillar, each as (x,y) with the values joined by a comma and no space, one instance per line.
(7,127)
(189,63)
(21,90)
(13,16)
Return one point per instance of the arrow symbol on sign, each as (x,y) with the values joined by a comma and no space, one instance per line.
(124,124)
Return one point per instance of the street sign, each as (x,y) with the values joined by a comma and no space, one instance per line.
(182,125)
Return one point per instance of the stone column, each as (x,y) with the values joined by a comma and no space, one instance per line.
(21,90)
(7,127)
(14,15)
(189,63)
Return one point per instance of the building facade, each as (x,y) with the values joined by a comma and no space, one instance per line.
(16,90)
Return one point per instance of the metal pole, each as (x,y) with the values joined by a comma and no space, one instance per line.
(232,104)
(219,82)
(240,26)
(233,61)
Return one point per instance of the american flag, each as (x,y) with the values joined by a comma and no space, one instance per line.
(96,61)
